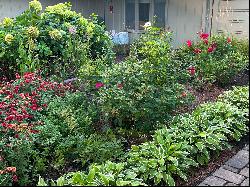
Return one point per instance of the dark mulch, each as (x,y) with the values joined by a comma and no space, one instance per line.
(197,175)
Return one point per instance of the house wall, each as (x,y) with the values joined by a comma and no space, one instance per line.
(185,19)
(231,17)
(12,8)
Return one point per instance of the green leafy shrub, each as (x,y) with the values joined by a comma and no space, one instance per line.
(212,59)
(238,96)
(153,49)
(58,39)
(209,128)
(68,135)
(127,96)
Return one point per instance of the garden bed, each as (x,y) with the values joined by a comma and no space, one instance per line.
(149,117)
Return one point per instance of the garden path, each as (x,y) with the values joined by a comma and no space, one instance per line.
(235,172)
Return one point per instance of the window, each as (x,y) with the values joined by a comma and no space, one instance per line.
(130,14)
(159,12)
(138,12)
(143,13)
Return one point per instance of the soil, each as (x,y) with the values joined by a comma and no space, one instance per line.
(199,174)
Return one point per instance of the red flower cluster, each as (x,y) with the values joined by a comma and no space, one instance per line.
(100,84)
(191,70)
(197,51)
(21,101)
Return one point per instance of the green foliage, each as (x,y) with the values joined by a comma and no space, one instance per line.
(215,59)
(238,96)
(107,174)
(67,135)
(57,41)
(189,139)
(153,49)
(130,97)
(158,161)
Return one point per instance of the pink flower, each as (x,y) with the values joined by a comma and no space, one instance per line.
(204,36)
(229,40)
(72,30)
(99,85)
(197,51)
(205,41)
(18,76)
(189,43)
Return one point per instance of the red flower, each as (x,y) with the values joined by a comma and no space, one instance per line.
(45,105)
(10,117)
(204,36)
(99,85)
(4,124)
(197,51)
(120,86)
(229,40)
(192,70)
(210,49)
(34,131)
(27,80)
(189,43)
(184,94)
(214,45)
(18,76)
(205,41)
(14,178)
(34,107)
(11,169)
(16,135)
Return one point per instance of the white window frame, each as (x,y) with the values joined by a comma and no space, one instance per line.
(151,15)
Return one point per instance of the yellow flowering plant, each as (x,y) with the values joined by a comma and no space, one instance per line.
(53,41)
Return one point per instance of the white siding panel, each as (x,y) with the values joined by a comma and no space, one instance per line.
(185,19)
(12,8)
(231,16)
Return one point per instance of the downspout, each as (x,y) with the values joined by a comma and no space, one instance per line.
(104,11)
(211,21)
(208,3)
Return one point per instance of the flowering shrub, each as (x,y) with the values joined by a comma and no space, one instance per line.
(212,59)
(22,102)
(59,39)
(129,96)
